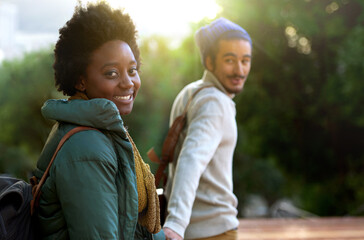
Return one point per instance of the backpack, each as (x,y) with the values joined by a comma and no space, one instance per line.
(169,145)
(19,200)
(16,221)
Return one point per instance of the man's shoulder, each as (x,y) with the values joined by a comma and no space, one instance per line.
(210,93)
(201,93)
(191,87)
(203,88)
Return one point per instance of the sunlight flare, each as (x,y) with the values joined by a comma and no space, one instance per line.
(166,17)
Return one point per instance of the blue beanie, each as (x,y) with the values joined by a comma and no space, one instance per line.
(207,35)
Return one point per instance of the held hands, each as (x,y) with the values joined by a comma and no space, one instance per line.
(171,235)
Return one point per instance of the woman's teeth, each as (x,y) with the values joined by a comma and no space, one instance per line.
(123,97)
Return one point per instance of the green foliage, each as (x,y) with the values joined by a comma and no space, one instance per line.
(25,84)
(14,161)
(300,116)
(164,72)
(302,110)
(257,176)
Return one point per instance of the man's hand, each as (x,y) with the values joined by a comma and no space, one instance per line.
(171,235)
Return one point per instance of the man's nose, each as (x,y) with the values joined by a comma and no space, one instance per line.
(239,69)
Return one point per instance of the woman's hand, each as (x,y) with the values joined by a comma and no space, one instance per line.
(171,235)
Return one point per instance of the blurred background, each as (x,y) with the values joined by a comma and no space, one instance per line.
(300,117)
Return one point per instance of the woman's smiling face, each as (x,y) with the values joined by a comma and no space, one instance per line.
(112,74)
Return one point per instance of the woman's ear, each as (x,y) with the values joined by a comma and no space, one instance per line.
(81,85)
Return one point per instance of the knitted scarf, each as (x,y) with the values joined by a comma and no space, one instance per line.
(148,203)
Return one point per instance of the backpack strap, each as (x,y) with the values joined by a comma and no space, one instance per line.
(170,141)
(36,186)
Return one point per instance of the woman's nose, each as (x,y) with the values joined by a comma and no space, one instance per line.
(126,81)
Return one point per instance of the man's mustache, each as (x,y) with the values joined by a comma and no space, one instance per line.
(237,76)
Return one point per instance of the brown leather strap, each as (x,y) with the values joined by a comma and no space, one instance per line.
(36,192)
(153,156)
(162,165)
(171,140)
(192,96)
(160,174)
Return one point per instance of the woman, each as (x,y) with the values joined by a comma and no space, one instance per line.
(98,186)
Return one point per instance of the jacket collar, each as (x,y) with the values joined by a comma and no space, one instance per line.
(209,77)
(98,112)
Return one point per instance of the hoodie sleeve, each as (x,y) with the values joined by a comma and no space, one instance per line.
(204,133)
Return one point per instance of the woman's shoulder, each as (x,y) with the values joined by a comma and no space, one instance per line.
(87,145)
(90,145)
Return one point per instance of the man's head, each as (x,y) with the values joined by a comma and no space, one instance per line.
(226,52)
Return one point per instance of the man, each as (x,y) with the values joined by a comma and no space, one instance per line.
(201,203)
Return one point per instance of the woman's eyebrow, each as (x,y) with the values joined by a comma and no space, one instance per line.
(109,64)
(117,63)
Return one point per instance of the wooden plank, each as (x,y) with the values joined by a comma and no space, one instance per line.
(348,228)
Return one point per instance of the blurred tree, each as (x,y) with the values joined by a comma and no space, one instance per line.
(302,105)
(300,116)
(25,84)
(15,162)
(164,72)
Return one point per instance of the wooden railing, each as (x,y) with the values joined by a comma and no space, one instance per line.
(311,229)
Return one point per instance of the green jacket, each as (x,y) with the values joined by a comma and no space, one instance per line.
(91,190)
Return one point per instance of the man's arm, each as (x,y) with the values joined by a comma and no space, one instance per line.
(203,137)
(171,235)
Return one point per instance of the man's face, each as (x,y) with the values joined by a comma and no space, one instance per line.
(232,64)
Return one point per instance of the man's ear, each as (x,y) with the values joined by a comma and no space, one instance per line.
(209,64)
(81,85)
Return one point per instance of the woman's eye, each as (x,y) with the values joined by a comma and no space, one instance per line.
(112,74)
(133,71)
